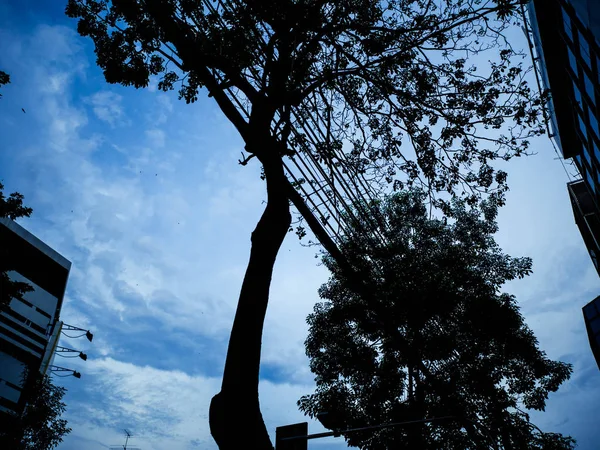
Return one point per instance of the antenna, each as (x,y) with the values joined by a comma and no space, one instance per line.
(128,435)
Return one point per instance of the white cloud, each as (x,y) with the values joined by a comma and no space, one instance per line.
(156,137)
(56,44)
(167,409)
(56,82)
(163,109)
(160,237)
(107,107)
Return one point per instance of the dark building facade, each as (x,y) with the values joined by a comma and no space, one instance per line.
(591,314)
(586,218)
(565,37)
(568,59)
(29,328)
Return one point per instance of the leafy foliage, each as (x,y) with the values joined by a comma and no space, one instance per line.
(379,90)
(4,79)
(385,89)
(11,207)
(434,337)
(39,426)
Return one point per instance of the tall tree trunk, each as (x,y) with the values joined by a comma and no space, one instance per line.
(235,418)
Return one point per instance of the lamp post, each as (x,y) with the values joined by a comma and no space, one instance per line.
(60,349)
(57,370)
(87,333)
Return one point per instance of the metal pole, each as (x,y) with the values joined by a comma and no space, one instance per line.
(373,427)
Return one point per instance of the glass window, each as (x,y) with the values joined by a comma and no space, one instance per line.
(588,157)
(590,181)
(578,160)
(577,94)
(589,87)
(596,151)
(567,24)
(582,127)
(585,49)
(573,62)
(593,122)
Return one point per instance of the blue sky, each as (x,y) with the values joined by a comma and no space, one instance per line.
(144,195)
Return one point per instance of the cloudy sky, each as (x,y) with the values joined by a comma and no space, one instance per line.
(144,195)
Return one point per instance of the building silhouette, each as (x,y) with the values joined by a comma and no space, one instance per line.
(591,314)
(565,37)
(29,328)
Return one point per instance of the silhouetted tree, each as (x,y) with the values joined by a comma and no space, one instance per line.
(389,80)
(436,284)
(4,79)
(38,426)
(12,208)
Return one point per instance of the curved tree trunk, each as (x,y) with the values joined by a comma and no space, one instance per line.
(235,418)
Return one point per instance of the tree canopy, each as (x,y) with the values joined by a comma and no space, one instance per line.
(382,92)
(39,426)
(11,207)
(434,337)
(4,79)
(385,89)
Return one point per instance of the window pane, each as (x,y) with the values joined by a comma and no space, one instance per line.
(567,23)
(589,87)
(593,122)
(577,94)
(596,151)
(582,127)
(573,62)
(585,49)
(588,157)
(590,181)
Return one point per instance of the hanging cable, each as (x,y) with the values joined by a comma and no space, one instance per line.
(73,337)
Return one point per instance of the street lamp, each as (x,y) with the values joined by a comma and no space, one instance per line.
(56,370)
(87,333)
(60,349)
